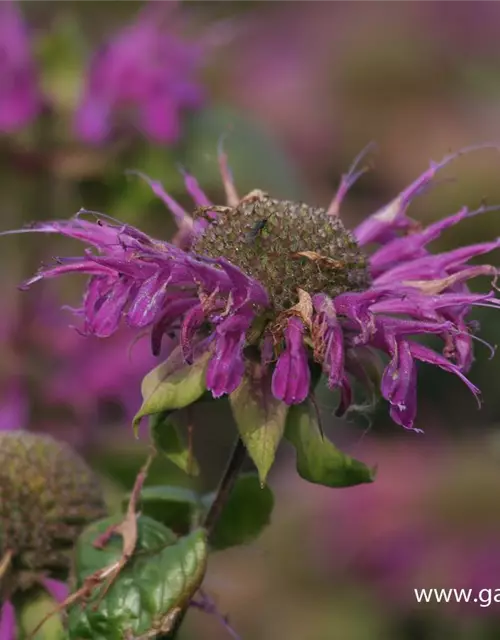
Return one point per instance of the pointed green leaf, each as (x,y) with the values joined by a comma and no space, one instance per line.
(175,507)
(246,513)
(318,460)
(167,439)
(260,417)
(172,385)
(150,593)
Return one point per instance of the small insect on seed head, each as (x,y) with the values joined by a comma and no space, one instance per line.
(254,233)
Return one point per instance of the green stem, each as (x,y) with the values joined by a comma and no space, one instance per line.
(226,485)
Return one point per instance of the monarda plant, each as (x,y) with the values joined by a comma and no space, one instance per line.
(263,297)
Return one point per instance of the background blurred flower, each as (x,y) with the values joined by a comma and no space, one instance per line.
(79,385)
(146,73)
(428,521)
(20,100)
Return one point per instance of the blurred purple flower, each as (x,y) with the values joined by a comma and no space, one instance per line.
(440,531)
(292,282)
(77,384)
(87,375)
(90,373)
(14,408)
(20,100)
(147,68)
(281,70)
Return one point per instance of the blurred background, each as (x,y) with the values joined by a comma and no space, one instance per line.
(92,90)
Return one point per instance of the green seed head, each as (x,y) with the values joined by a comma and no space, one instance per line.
(47,496)
(287,246)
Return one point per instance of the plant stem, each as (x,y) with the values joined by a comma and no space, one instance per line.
(226,485)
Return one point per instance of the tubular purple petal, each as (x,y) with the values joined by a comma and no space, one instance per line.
(85,266)
(109,307)
(227,366)
(332,339)
(404,413)
(431,267)
(193,320)
(181,216)
(356,307)
(348,179)
(174,309)
(58,590)
(423,306)
(244,289)
(148,302)
(404,327)
(291,377)
(424,354)
(379,226)
(209,277)
(194,190)
(461,342)
(412,246)
(398,375)
(7,621)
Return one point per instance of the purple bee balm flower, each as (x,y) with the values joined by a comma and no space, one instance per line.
(146,68)
(20,100)
(291,283)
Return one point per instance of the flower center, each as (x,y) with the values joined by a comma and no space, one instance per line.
(287,246)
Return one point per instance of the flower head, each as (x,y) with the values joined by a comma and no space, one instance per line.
(146,68)
(20,100)
(48,496)
(290,285)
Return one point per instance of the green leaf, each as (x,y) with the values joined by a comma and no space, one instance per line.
(318,460)
(167,439)
(172,385)
(149,594)
(246,513)
(260,417)
(175,507)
